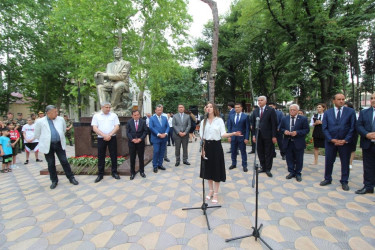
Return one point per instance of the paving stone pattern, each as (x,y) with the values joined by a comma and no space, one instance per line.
(147,213)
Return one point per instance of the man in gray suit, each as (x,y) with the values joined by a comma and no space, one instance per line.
(181,125)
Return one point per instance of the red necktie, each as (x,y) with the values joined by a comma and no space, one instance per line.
(261,113)
(136,125)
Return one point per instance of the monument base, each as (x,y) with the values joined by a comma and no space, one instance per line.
(123,169)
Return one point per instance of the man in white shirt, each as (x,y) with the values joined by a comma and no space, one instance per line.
(105,124)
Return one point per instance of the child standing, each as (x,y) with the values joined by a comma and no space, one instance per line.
(14,139)
(30,142)
(6,151)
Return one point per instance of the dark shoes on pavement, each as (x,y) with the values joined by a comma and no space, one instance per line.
(290,176)
(116,176)
(167,160)
(73,181)
(325,183)
(283,157)
(345,187)
(245,169)
(298,178)
(132,176)
(186,163)
(143,175)
(232,167)
(269,174)
(161,167)
(99,178)
(37,160)
(53,185)
(365,190)
(177,164)
(155,170)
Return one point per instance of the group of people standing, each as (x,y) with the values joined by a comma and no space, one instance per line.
(335,130)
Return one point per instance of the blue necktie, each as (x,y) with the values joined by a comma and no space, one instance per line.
(338,114)
(238,117)
(159,117)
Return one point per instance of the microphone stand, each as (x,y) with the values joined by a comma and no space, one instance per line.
(256,230)
(204,205)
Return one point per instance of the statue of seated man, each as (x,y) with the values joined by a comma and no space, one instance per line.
(112,84)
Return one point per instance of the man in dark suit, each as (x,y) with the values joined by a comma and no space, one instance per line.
(231,112)
(366,128)
(295,128)
(181,125)
(159,128)
(267,134)
(279,134)
(338,127)
(136,131)
(239,122)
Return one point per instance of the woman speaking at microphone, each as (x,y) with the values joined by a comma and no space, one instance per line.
(213,167)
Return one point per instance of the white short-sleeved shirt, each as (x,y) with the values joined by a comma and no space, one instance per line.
(29,130)
(212,131)
(105,122)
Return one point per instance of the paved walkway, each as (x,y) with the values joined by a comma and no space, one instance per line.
(146,213)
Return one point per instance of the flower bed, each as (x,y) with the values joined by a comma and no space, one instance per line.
(89,163)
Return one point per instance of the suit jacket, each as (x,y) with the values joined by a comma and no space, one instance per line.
(155,128)
(140,133)
(267,124)
(364,126)
(43,133)
(301,126)
(243,125)
(342,130)
(279,116)
(181,126)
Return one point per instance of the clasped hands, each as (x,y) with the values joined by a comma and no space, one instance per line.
(294,133)
(162,135)
(182,134)
(107,137)
(371,136)
(137,140)
(338,142)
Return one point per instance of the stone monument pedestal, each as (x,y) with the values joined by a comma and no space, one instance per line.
(86,144)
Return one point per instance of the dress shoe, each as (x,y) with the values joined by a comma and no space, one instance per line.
(232,167)
(186,163)
(229,152)
(116,176)
(261,170)
(283,157)
(345,187)
(155,170)
(166,159)
(290,176)
(269,174)
(365,190)
(73,181)
(132,176)
(177,164)
(143,175)
(298,178)
(325,183)
(245,169)
(161,167)
(99,178)
(53,185)
(168,145)
(251,152)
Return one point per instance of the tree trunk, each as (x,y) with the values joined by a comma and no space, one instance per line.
(215,45)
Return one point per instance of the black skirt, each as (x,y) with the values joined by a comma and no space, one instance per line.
(214,167)
(319,143)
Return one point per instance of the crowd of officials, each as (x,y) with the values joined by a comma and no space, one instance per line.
(335,129)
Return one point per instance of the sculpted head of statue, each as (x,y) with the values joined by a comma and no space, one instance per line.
(117,52)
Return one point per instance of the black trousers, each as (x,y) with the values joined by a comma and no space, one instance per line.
(266,149)
(369,166)
(102,148)
(294,159)
(50,158)
(134,149)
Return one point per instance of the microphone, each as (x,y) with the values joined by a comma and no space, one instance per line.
(257,123)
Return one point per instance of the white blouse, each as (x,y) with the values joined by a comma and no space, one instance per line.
(213,131)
